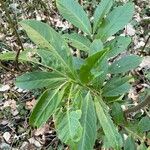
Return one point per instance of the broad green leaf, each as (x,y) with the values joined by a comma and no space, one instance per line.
(96,46)
(68,127)
(129,144)
(46,106)
(7,56)
(73,12)
(47,38)
(111,133)
(115,21)
(103,68)
(125,64)
(77,62)
(144,124)
(24,56)
(117,113)
(118,45)
(88,122)
(102,9)
(116,86)
(47,59)
(78,41)
(35,80)
(85,70)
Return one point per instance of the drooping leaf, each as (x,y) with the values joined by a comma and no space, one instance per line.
(102,9)
(96,46)
(78,41)
(118,45)
(111,133)
(115,21)
(129,144)
(46,106)
(68,127)
(144,124)
(85,70)
(88,122)
(73,12)
(47,38)
(125,64)
(116,86)
(35,80)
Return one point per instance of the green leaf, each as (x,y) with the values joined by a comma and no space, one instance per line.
(125,64)
(73,12)
(116,86)
(102,67)
(102,9)
(142,147)
(112,135)
(117,113)
(7,56)
(47,59)
(85,70)
(129,144)
(118,45)
(35,80)
(144,124)
(96,46)
(78,41)
(68,127)
(47,38)
(88,122)
(46,106)
(115,21)
(24,56)
(77,62)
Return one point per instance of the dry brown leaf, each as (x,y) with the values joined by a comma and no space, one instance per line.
(7,136)
(10,103)
(42,130)
(30,104)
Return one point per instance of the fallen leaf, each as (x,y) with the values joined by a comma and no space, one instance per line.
(4,88)
(35,142)
(42,130)
(10,103)
(7,136)
(129,30)
(30,104)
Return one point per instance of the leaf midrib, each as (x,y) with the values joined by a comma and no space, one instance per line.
(106,120)
(76,17)
(49,45)
(108,28)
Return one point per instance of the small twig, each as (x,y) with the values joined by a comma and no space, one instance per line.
(6,68)
(146,43)
(139,106)
(80,2)
(12,25)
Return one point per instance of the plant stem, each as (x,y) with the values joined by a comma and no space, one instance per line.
(146,43)
(12,25)
(139,106)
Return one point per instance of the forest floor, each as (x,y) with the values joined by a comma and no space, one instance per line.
(16,104)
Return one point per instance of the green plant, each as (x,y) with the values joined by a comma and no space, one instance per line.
(79,91)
